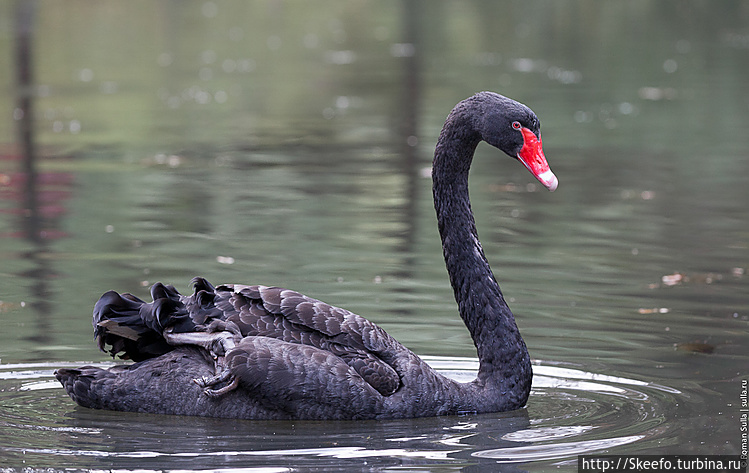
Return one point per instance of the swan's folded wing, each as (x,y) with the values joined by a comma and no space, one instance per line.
(300,380)
(293,317)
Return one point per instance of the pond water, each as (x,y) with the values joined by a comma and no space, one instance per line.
(289,144)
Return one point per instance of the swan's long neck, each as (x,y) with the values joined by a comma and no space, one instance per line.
(502,353)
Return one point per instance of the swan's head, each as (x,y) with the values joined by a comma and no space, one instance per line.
(515,129)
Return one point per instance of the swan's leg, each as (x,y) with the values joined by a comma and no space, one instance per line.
(217,343)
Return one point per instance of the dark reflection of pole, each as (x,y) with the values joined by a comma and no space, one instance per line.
(25,106)
(31,215)
(409,132)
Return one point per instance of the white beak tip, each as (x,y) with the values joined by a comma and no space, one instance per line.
(549,180)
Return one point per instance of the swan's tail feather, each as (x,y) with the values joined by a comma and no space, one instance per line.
(134,328)
(77,383)
(97,388)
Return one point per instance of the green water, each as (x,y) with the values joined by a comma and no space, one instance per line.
(289,143)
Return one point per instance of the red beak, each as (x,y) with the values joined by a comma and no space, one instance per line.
(532,157)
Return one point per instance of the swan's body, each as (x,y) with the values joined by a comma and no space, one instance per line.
(257,352)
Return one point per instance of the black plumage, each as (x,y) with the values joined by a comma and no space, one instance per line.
(260,352)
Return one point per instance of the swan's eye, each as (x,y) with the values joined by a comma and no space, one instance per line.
(516,125)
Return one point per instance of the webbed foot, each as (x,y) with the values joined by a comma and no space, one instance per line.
(214,393)
(207,383)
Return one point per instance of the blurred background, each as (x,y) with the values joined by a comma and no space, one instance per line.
(289,143)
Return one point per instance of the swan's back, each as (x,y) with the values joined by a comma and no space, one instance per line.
(294,357)
(134,328)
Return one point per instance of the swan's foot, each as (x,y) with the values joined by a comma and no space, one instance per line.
(214,393)
(207,383)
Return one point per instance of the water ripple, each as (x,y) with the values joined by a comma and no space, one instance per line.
(570,412)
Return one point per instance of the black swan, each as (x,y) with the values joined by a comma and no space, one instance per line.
(257,352)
